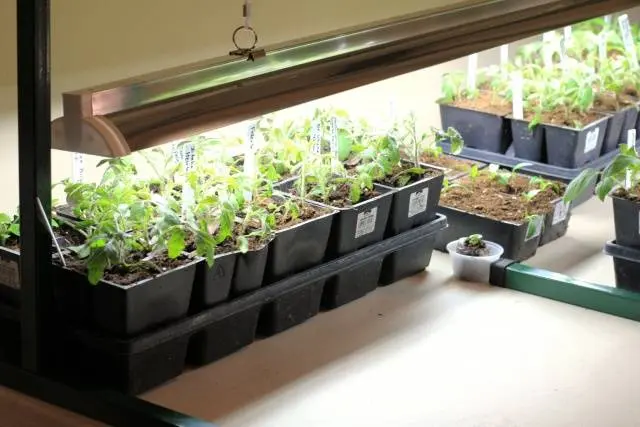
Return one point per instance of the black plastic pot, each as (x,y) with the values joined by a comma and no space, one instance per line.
(10,276)
(119,367)
(613,133)
(127,310)
(291,309)
(249,271)
(626,214)
(353,228)
(556,222)
(626,265)
(528,144)
(407,261)
(480,130)
(555,173)
(511,236)
(352,284)
(414,204)
(212,285)
(572,148)
(630,119)
(299,247)
(360,225)
(224,337)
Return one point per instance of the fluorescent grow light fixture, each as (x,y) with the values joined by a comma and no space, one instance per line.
(119,118)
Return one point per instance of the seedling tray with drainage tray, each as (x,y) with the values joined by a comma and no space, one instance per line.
(510,235)
(355,227)
(626,218)
(626,265)
(127,310)
(212,285)
(137,364)
(413,205)
(479,129)
(540,169)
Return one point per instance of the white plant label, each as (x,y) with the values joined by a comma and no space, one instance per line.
(188,157)
(418,202)
(592,139)
(560,212)
(602,48)
(333,141)
(472,70)
(518,103)
(563,54)
(629,45)
(392,113)
(607,19)
(10,274)
(316,137)
(250,156)
(366,222)
(547,51)
(504,54)
(78,167)
(631,143)
(534,228)
(568,36)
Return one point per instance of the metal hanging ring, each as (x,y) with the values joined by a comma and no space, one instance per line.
(235,35)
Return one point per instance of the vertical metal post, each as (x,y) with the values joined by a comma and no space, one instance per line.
(34,131)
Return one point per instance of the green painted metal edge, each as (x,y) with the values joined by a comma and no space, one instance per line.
(559,287)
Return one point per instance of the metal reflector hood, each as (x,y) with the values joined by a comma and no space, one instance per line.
(121,117)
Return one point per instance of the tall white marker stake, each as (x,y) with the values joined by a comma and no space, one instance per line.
(516,90)
(547,51)
(629,44)
(568,36)
(602,49)
(504,54)
(631,143)
(472,70)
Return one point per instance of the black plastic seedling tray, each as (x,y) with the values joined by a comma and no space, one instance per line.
(626,264)
(535,168)
(511,236)
(138,364)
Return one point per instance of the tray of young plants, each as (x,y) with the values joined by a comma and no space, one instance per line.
(191,262)
(619,181)
(574,104)
(517,211)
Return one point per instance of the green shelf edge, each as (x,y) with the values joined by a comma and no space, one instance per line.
(559,287)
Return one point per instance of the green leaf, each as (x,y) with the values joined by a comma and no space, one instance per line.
(344,145)
(96,266)
(175,243)
(605,186)
(15,229)
(4,218)
(243,244)
(355,193)
(520,166)
(586,179)
(533,222)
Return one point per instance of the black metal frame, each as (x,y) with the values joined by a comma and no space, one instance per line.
(36,317)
